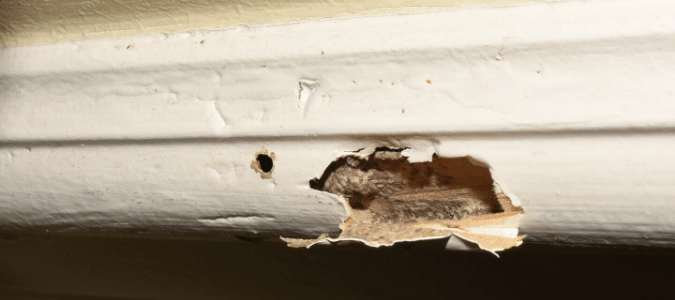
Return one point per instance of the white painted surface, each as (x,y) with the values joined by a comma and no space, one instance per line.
(571,104)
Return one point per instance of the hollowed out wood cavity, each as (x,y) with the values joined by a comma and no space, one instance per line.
(385,188)
(392,200)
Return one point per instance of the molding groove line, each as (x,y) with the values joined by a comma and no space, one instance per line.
(571,105)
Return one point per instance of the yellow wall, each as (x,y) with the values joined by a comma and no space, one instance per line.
(47,21)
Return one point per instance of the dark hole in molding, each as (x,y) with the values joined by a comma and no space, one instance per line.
(266,163)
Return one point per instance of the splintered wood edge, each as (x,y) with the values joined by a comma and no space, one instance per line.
(485,241)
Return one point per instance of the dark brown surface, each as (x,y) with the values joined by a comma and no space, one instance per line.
(46,267)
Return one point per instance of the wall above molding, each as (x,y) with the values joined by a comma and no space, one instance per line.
(40,22)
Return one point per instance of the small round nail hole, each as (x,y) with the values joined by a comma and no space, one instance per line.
(266,163)
(263,163)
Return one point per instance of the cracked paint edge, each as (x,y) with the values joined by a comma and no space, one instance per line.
(490,232)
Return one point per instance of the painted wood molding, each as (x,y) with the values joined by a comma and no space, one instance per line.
(570,104)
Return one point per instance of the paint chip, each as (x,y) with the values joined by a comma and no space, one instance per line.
(307,89)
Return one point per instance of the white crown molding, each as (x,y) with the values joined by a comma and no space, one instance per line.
(571,104)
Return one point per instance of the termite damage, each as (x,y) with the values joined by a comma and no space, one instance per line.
(391,199)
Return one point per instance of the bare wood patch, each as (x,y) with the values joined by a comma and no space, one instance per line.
(391,199)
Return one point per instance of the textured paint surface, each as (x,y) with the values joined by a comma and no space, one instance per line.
(43,21)
(573,112)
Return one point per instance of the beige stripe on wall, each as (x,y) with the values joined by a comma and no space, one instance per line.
(25,22)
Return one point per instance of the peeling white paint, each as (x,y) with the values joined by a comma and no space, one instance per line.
(418,152)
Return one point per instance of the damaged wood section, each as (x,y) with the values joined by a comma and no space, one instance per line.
(391,199)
